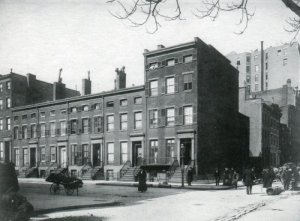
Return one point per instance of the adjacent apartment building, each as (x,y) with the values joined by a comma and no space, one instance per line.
(185,114)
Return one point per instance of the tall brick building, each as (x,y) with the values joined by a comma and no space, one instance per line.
(185,114)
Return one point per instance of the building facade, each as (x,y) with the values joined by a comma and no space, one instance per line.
(186,114)
(268,68)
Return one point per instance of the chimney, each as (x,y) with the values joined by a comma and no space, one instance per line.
(262,64)
(120,81)
(86,85)
(59,89)
(289,82)
(30,79)
(160,46)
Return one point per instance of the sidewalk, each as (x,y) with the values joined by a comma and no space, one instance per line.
(194,186)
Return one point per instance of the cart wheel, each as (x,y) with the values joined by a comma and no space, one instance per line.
(54,188)
(69,191)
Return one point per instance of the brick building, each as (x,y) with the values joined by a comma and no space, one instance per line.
(18,90)
(185,114)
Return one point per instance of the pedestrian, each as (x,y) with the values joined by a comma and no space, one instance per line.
(248,179)
(235,178)
(142,176)
(287,176)
(217,176)
(231,175)
(226,178)
(190,176)
(267,178)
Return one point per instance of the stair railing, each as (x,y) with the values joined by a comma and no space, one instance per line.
(96,169)
(124,168)
(83,169)
(136,171)
(172,169)
(47,171)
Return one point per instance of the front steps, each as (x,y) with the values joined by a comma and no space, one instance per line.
(129,175)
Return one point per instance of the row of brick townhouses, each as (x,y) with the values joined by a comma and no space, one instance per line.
(186,113)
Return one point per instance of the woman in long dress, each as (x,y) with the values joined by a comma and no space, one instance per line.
(142,175)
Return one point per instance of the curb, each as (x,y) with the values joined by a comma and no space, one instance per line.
(44,211)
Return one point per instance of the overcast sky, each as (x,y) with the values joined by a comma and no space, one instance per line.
(42,36)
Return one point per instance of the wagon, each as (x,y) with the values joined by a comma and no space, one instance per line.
(61,181)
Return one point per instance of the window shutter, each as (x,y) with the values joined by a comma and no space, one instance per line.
(89,126)
(79,108)
(38,130)
(69,127)
(163,88)
(194,114)
(101,124)
(28,132)
(176,82)
(48,154)
(79,155)
(179,117)
(146,89)
(79,126)
(163,63)
(180,59)
(20,133)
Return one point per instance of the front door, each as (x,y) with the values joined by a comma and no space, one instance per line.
(63,157)
(7,151)
(97,154)
(32,157)
(137,153)
(186,143)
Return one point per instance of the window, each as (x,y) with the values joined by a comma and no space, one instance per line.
(75,155)
(97,106)
(8,102)
(1,87)
(110,123)
(24,132)
(187,82)
(284,62)
(86,153)
(153,118)
(170,85)
(53,154)
(255,57)
(33,115)
(8,123)
(266,85)
(63,111)
(17,157)
(153,65)
(24,117)
(16,118)
(238,61)
(52,129)
(63,128)
(109,104)
(110,153)
(153,151)
(138,120)
(266,76)
(124,152)
(187,115)
(33,131)
(85,125)
(1,124)
(73,109)
(285,51)
(25,157)
(248,69)
(248,58)
(74,126)
(123,102)
(16,132)
(52,113)
(170,62)
(266,65)
(138,100)
(97,124)
(8,85)
(256,77)
(187,58)
(123,121)
(1,151)
(43,130)
(256,68)
(256,87)
(43,154)
(85,107)
(42,114)
(267,56)
(170,150)
(1,104)
(170,116)
(154,88)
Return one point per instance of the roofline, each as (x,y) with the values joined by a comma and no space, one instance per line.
(80,97)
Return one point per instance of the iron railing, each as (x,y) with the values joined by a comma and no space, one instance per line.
(173,168)
(125,167)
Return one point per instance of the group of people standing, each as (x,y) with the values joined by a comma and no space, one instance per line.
(230,177)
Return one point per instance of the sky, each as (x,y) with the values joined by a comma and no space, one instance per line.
(42,36)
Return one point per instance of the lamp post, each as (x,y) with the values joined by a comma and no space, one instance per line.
(182,164)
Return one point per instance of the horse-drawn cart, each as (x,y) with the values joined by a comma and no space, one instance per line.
(61,181)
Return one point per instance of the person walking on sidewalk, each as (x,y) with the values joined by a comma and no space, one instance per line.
(190,176)
(235,178)
(248,179)
(217,176)
(142,176)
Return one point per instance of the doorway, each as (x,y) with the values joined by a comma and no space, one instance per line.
(6,151)
(187,147)
(137,153)
(32,162)
(63,157)
(97,156)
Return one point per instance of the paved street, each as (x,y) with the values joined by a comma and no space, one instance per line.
(171,204)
